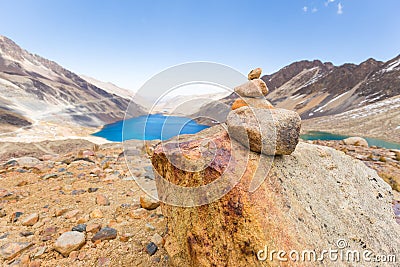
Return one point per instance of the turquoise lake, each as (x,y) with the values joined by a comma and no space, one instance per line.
(330,136)
(149,127)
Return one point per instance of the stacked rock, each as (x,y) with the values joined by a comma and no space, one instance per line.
(252,93)
(256,124)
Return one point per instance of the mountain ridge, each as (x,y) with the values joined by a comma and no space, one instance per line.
(35,89)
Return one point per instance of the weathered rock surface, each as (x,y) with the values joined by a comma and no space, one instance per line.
(253,88)
(252,102)
(272,132)
(254,74)
(11,250)
(356,141)
(310,199)
(69,241)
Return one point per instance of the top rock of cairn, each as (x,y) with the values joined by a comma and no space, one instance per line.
(256,124)
(254,74)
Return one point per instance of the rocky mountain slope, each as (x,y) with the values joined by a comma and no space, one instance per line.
(34,89)
(316,89)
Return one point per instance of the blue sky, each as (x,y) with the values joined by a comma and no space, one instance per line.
(126,42)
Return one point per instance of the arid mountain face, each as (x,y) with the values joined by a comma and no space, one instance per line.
(34,89)
(316,89)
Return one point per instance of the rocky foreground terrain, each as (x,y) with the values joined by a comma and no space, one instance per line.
(84,187)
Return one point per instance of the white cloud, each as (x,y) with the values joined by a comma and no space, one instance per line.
(314,10)
(328,2)
(305,9)
(340,9)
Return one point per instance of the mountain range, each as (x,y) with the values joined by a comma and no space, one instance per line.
(362,99)
(34,89)
(350,99)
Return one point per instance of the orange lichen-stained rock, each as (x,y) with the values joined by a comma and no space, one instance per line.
(311,199)
(252,102)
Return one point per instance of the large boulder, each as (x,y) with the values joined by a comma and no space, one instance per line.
(317,198)
(267,131)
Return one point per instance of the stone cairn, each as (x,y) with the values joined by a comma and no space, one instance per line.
(256,124)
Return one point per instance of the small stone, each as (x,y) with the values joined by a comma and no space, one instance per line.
(105,233)
(25,260)
(253,88)
(157,239)
(151,248)
(40,252)
(148,203)
(254,74)
(149,227)
(69,241)
(73,255)
(11,250)
(30,220)
(252,102)
(48,176)
(356,141)
(71,214)
(102,200)
(22,183)
(267,131)
(93,228)
(96,214)
(92,189)
(60,212)
(102,261)
(26,233)
(138,213)
(81,255)
(79,228)
(78,192)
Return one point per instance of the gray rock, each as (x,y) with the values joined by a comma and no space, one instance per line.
(105,233)
(253,88)
(24,162)
(69,241)
(267,131)
(151,248)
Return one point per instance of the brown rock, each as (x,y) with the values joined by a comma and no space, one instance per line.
(96,214)
(252,102)
(11,250)
(71,214)
(69,241)
(105,233)
(254,74)
(30,220)
(271,132)
(302,203)
(102,200)
(253,88)
(138,213)
(60,212)
(148,203)
(93,227)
